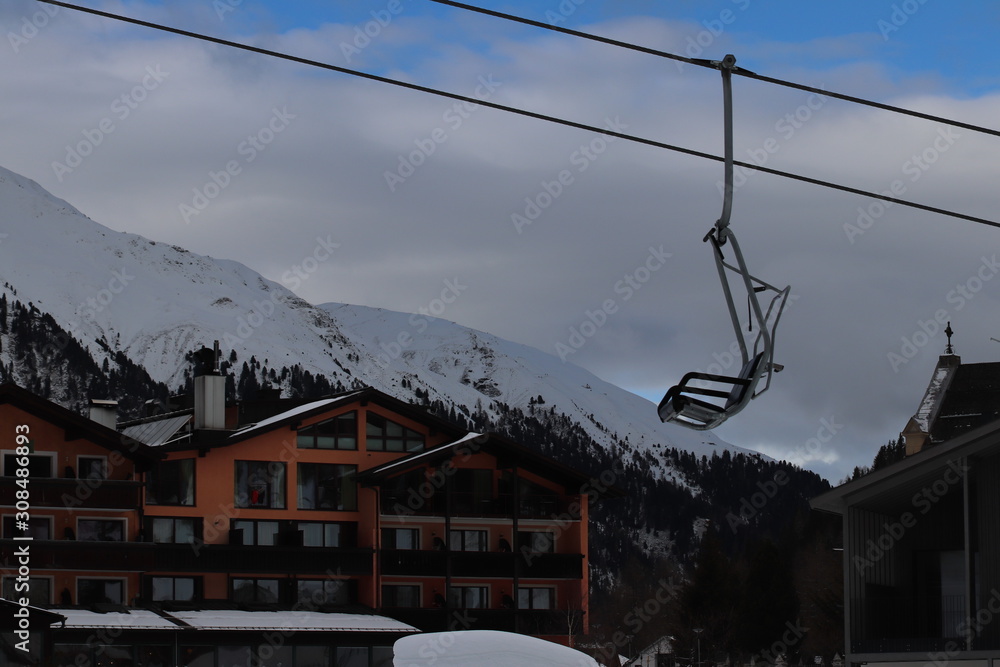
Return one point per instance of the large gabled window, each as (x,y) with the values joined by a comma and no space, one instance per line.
(341,432)
(385,435)
(171,483)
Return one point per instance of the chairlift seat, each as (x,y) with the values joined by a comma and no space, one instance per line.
(680,405)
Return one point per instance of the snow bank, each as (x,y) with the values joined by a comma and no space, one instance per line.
(484,648)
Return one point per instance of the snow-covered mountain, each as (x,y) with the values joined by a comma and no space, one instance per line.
(154,302)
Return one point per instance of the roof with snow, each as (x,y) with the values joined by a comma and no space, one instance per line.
(232,619)
(75,425)
(508,453)
(960,397)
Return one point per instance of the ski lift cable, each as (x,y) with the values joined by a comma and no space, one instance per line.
(706,63)
(523,112)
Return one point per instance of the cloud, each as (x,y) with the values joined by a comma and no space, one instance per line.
(325,173)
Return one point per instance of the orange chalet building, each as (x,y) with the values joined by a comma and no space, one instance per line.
(277,531)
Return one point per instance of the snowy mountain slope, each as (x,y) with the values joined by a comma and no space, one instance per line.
(156,302)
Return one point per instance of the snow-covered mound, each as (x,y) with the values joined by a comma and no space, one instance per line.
(484,648)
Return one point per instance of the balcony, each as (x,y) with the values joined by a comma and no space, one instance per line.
(74,493)
(481,564)
(474,505)
(147,556)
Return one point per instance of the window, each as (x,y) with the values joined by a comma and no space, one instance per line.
(254,533)
(176,589)
(39,465)
(312,593)
(312,656)
(255,590)
(468,597)
(260,484)
(175,530)
(171,483)
(38,590)
(327,486)
(327,534)
(401,595)
(467,540)
(539,542)
(536,598)
(385,435)
(352,656)
(93,591)
(39,528)
(338,433)
(92,467)
(100,530)
(400,538)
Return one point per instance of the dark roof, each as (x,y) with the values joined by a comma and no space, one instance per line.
(9,607)
(508,453)
(296,410)
(76,426)
(971,400)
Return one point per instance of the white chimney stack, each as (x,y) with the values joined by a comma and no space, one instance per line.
(210,396)
(104,412)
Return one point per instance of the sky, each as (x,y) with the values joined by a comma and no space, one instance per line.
(556,231)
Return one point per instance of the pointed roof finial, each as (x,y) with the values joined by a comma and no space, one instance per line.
(948,332)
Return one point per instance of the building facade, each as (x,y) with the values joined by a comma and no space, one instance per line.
(922,535)
(354,519)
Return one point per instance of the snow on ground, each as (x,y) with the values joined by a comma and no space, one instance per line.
(484,648)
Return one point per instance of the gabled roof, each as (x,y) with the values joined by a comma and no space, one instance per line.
(508,453)
(893,486)
(300,412)
(76,426)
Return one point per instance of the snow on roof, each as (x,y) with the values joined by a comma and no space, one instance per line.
(133,619)
(485,648)
(236,619)
(264,423)
(407,461)
(932,398)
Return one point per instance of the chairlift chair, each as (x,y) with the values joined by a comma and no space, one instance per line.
(689,402)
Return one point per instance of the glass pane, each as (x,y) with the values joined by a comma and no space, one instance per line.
(541,598)
(312,656)
(455,540)
(393,430)
(347,442)
(246,528)
(235,656)
(154,656)
(267,533)
(325,442)
(267,590)
(352,657)
(304,440)
(197,656)
(332,534)
(163,588)
(312,534)
(524,598)
(310,593)
(382,656)
(184,588)
(406,538)
(184,531)
(163,531)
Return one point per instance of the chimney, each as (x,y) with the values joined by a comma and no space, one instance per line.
(104,412)
(210,393)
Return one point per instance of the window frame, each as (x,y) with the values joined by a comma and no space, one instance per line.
(531,590)
(8,459)
(313,504)
(346,588)
(122,521)
(410,440)
(275,486)
(256,586)
(255,535)
(9,526)
(105,470)
(121,580)
(196,528)
(338,435)
(484,592)
(418,602)
(153,479)
(484,540)
(33,588)
(415,534)
(196,583)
